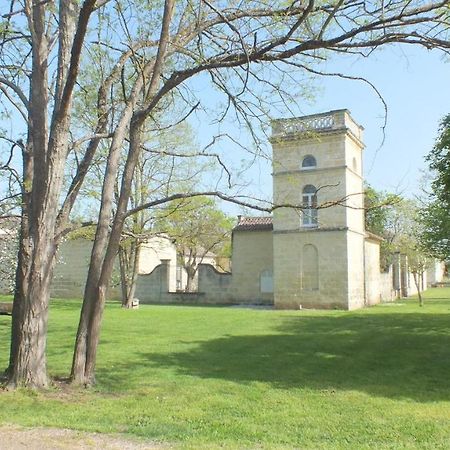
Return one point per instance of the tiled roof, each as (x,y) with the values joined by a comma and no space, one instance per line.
(253,223)
(373,237)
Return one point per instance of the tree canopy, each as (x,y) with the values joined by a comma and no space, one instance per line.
(436,214)
(199,228)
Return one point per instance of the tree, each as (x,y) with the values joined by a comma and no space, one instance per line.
(407,241)
(435,217)
(436,214)
(199,227)
(397,220)
(383,218)
(157,50)
(152,176)
(418,262)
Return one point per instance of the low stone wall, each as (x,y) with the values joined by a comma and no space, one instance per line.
(215,288)
(69,276)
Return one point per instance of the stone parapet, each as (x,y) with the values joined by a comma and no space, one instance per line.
(330,121)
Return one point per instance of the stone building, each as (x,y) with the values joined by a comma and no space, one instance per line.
(320,252)
(313,252)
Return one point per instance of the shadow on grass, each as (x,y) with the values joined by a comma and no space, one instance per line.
(387,355)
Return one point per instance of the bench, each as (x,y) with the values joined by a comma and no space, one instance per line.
(6,309)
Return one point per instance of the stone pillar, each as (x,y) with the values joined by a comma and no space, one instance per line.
(165,275)
(404,275)
(396,274)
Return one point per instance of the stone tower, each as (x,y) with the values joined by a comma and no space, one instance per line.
(318,250)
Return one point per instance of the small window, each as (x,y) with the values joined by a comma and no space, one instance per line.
(355,165)
(309,201)
(309,162)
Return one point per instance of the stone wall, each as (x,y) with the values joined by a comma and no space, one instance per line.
(214,287)
(290,292)
(159,248)
(387,291)
(252,256)
(355,270)
(244,287)
(70,273)
(373,276)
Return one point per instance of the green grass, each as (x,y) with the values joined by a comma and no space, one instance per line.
(212,377)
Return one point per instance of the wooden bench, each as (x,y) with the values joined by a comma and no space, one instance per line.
(6,309)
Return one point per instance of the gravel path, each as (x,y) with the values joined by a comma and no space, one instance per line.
(16,438)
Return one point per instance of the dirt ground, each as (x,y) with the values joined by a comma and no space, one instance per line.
(16,438)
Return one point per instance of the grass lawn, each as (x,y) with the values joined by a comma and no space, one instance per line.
(239,378)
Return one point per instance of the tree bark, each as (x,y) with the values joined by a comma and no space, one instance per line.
(91,292)
(418,286)
(30,309)
(190,275)
(100,271)
(43,177)
(129,269)
(24,251)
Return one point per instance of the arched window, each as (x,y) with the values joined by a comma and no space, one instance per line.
(310,268)
(309,162)
(309,200)
(266,281)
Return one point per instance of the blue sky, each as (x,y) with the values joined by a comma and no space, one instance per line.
(414,83)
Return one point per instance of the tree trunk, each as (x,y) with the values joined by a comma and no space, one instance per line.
(129,272)
(91,296)
(30,309)
(31,301)
(101,268)
(190,276)
(44,163)
(24,251)
(418,286)
(83,367)
(123,267)
(28,352)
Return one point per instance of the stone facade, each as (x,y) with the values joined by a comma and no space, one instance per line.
(252,265)
(323,154)
(71,270)
(74,255)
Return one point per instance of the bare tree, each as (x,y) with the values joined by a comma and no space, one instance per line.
(236,47)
